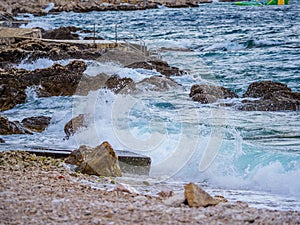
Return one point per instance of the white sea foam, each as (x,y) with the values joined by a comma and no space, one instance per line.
(40,63)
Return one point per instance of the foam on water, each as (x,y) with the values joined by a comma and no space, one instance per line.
(40,63)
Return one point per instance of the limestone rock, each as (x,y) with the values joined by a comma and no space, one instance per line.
(117,84)
(101,160)
(74,125)
(12,127)
(11,95)
(209,94)
(158,83)
(62,33)
(273,96)
(53,81)
(159,65)
(37,124)
(196,197)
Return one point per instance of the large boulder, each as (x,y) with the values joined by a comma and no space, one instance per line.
(37,123)
(196,197)
(74,125)
(209,93)
(271,96)
(101,160)
(12,127)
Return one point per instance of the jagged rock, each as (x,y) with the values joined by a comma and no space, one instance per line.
(37,124)
(58,80)
(12,127)
(196,197)
(273,96)
(101,160)
(157,83)
(74,125)
(209,94)
(117,84)
(38,8)
(88,83)
(53,81)
(11,95)
(34,49)
(160,66)
(62,33)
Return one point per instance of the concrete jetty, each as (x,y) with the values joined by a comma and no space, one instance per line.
(130,162)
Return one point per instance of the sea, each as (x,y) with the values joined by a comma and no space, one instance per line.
(251,156)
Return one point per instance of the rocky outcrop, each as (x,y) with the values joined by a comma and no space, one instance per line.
(53,81)
(117,84)
(40,8)
(209,94)
(157,83)
(74,125)
(272,96)
(101,160)
(62,33)
(196,197)
(37,123)
(12,92)
(158,65)
(12,127)
(34,49)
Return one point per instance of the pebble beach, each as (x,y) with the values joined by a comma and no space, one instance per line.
(39,190)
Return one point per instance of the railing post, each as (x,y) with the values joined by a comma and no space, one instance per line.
(94,34)
(116,33)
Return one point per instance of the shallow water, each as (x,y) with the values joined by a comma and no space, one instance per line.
(252,154)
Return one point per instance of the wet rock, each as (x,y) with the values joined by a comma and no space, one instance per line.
(2,141)
(35,49)
(209,94)
(74,125)
(158,83)
(160,66)
(62,33)
(196,197)
(273,96)
(88,83)
(117,84)
(126,188)
(53,81)
(11,93)
(58,80)
(176,200)
(12,127)
(37,124)
(101,160)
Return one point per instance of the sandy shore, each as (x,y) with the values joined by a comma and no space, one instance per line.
(39,190)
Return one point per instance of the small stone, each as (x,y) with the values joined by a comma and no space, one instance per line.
(196,197)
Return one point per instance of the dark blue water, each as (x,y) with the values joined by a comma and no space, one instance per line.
(231,46)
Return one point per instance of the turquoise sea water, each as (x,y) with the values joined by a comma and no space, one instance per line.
(254,154)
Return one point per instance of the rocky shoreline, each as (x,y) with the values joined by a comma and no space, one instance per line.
(36,190)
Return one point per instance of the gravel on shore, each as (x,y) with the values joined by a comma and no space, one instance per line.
(39,190)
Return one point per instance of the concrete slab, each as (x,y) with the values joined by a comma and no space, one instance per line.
(130,162)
